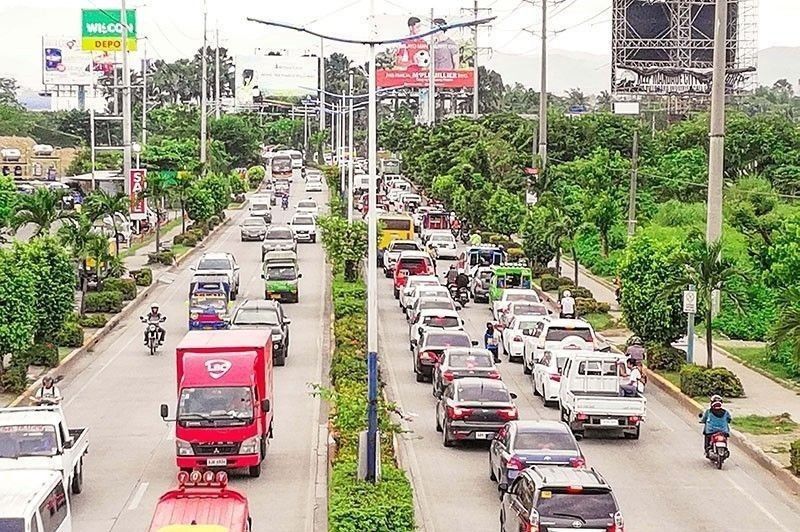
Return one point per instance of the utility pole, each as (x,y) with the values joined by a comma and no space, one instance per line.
(431,78)
(543,96)
(351,149)
(716,151)
(321,86)
(634,179)
(475,63)
(217,97)
(145,66)
(126,101)
(203,91)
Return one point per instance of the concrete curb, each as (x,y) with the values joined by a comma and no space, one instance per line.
(790,481)
(112,323)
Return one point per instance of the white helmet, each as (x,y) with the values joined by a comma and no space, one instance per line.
(567,293)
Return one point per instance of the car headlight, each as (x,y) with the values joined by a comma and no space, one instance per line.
(277,338)
(249,446)
(183,448)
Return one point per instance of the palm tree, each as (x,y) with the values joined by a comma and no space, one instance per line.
(97,251)
(75,235)
(100,204)
(156,192)
(557,233)
(787,328)
(42,209)
(710,272)
(180,189)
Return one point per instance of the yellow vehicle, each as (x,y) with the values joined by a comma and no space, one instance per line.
(393,226)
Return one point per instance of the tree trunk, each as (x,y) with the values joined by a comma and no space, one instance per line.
(709,340)
(183,216)
(558,262)
(575,260)
(84,289)
(604,242)
(116,236)
(158,231)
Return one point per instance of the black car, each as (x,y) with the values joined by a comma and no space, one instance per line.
(460,362)
(430,347)
(521,444)
(263,313)
(473,408)
(548,499)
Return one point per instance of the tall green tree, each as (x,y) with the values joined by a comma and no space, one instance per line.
(75,234)
(786,333)
(157,192)
(101,203)
(17,295)
(41,209)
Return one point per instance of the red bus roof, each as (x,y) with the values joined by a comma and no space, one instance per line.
(201,506)
(227,340)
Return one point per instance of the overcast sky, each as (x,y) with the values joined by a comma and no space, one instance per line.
(174,27)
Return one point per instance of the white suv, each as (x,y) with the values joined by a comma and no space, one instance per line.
(304,227)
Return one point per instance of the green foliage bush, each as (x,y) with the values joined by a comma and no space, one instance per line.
(161,257)
(538,247)
(127,287)
(665,358)
(15,376)
(589,305)
(105,301)
(549,283)
(576,291)
(255,175)
(178,239)
(752,322)
(93,321)
(190,239)
(794,457)
(515,254)
(71,334)
(143,277)
(199,204)
(44,354)
(699,381)
(214,221)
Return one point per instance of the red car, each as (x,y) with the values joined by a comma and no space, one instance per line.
(411,263)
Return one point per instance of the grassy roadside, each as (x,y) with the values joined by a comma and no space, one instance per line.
(150,238)
(756,357)
(765,425)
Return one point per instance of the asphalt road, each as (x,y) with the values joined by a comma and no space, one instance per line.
(662,481)
(117,391)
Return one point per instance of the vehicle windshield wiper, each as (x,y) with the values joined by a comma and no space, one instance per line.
(191,415)
(571,516)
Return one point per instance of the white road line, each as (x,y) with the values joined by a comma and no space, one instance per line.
(757,504)
(137,497)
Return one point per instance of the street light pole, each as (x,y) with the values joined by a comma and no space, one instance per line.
(351,149)
(126,101)
(321,86)
(475,65)
(432,79)
(203,82)
(543,95)
(217,98)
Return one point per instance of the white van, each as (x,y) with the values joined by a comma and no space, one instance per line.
(33,500)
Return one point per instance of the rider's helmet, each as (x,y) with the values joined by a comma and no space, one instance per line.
(567,293)
(716,402)
(48,381)
(635,340)
(154,307)
(489,326)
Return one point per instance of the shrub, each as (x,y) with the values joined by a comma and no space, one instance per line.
(539,271)
(15,377)
(190,239)
(576,291)
(93,321)
(71,333)
(548,283)
(161,257)
(44,353)
(698,381)
(127,287)
(515,254)
(665,358)
(214,221)
(794,457)
(589,305)
(178,239)
(199,227)
(487,236)
(143,277)
(105,301)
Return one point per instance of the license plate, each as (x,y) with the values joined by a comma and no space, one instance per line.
(609,422)
(275,296)
(484,435)
(217,462)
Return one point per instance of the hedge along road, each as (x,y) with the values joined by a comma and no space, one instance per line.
(116,392)
(662,481)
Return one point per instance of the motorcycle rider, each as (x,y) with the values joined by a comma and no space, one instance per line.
(154,317)
(451,276)
(635,350)
(285,202)
(715,419)
(490,341)
(567,304)
(48,392)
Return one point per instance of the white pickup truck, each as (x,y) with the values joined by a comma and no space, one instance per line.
(38,437)
(589,397)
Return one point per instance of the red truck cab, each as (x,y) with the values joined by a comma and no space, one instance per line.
(225,394)
(411,263)
(202,502)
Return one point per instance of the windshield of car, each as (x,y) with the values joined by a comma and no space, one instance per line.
(279,234)
(218,403)
(255,222)
(530,309)
(260,207)
(282,164)
(405,246)
(488,256)
(303,220)
(527,325)
(28,440)
(251,316)
(12,524)
(414,266)
(470,360)
(556,334)
(435,303)
(523,296)
(482,393)
(447,340)
(214,264)
(281,273)
(307,205)
(213,301)
(586,505)
(544,440)
(442,238)
(441,321)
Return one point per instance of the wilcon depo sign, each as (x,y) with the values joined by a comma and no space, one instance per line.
(101,30)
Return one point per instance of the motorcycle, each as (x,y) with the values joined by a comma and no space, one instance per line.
(717,450)
(152,334)
(285,203)
(459,295)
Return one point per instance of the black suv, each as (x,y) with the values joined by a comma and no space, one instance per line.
(262,314)
(547,498)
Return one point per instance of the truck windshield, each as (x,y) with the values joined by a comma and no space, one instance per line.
(279,234)
(210,301)
(281,273)
(214,264)
(28,440)
(215,404)
(12,524)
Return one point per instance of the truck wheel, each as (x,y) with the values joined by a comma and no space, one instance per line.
(525,368)
(396,293)
(280,358)
(314,239)
(77,479)
(254,471)
(420,377)
(492,476)
(633,435)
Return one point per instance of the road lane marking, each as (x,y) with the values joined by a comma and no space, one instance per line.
(756,504)
(137,497)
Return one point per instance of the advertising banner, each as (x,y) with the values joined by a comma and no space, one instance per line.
(101,30)
(260,77)
(137,181)
(65,63)
(407,64)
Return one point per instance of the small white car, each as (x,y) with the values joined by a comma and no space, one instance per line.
(424,291)
(221,263)
(514,294)
(392,253)
(563,333)
(431,302)
(443,246)
(412,282)
(304,227)
(512,337)
(307,206)
(546,378)
(521,308)
(439,319)
(313,183)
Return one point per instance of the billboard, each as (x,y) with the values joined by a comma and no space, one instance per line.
(101,29)
(65,63)
(263,76)
(137,181)
(407,64)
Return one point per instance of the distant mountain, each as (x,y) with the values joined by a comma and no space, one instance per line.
(592,73)
(31,100)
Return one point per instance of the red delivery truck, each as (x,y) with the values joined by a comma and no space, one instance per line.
(225,395)
(202,502)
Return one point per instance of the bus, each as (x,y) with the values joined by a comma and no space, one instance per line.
(280,167)
(390,167)
(393,226)
(297,162)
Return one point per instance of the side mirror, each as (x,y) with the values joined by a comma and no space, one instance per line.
(287,321)
(68,443)
(513,395)
(299,275)
(502,488)
(265,406)
(164,411)
(474,343)
(413,341)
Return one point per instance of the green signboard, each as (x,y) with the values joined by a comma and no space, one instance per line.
(101,30)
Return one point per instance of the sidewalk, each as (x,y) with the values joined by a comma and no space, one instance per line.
(764,396)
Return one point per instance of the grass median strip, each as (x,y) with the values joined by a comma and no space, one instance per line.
(757,357)
(765,425)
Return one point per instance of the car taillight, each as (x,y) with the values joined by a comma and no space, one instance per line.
(427,355)
(533,524)
(619,524)
(494,375)
(633,420)
(555,377)
(448,375)
(581,416)
(577,462)
(516,463)
(454,412)
(517,339)
(508,414)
